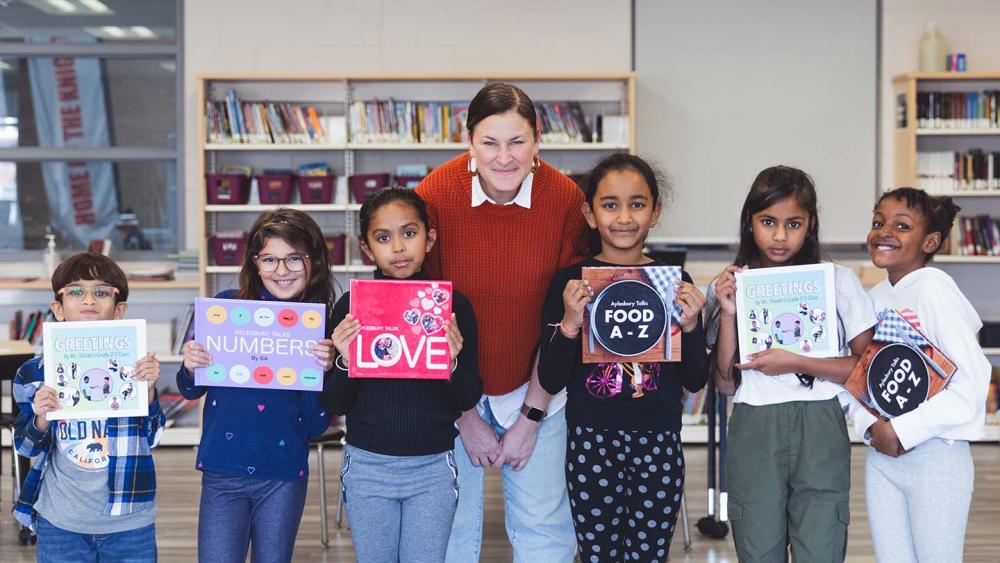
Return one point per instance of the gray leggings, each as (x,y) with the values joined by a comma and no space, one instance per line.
(918,503)
(400,508)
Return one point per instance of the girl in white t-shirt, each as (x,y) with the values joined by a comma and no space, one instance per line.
(918,476)
(788,460)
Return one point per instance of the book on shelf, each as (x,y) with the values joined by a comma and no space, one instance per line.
(232,121)
(992,398)
(957,110)
(950,171)
(29,327)
(394,121)
(184,332)
(977,235)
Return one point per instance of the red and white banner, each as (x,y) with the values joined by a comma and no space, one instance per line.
(70,111)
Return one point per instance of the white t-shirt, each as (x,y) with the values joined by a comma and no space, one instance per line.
(855,315)
(950,322)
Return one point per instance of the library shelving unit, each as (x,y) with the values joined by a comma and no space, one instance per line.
(608,94)
(912,137)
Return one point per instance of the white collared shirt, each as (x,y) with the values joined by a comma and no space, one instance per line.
(523,197)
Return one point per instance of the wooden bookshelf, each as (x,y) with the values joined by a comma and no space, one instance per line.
(908,136)
(959,259)
(957,132)
(40,283)
(333,95)
(257,208)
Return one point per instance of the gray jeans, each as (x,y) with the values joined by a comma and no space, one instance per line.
(400,508)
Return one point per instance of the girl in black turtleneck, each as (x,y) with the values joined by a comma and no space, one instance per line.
(399,477)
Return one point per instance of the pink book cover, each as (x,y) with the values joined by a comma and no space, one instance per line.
(402,329)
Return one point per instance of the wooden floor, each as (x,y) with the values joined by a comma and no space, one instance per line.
(178,502)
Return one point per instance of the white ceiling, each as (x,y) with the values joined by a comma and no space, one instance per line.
(19,18)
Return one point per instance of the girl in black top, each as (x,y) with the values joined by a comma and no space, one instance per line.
(624,467)
(399,477)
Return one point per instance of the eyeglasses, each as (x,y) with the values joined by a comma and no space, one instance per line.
(100,292)
(293,262)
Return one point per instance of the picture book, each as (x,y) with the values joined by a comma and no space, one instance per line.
(91,364)
(900,369)
(402,329)
(633,316)
(259,344)
(790,308)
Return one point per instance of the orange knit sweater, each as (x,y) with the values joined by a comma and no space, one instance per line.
(502,258)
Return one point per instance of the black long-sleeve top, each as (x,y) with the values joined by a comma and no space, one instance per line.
(601,395)
(406,417)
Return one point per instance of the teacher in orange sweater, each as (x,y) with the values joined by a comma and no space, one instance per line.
(506,222)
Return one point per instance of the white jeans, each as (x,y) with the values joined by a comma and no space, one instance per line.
(536,506)
(918,503)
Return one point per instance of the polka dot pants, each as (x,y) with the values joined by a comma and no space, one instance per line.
(625,491)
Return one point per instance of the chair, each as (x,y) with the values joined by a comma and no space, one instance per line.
(334,436)
(684,520)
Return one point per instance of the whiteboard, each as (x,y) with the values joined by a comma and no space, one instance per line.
(726,88)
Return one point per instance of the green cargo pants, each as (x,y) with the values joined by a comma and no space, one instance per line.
(788,468)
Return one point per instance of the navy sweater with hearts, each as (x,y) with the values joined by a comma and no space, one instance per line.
(253,432)
(407,417)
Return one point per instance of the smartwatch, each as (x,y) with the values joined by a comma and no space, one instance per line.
(532,414)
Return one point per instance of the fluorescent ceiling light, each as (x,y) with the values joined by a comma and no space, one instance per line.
(69,7)
(113,31)
(142,31)
(62,5)
(95,6)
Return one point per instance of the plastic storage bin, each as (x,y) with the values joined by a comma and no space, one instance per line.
(316,189)
(335,245)
(227,189)
(228,248)
(408,181)
(364,185)
(274,188)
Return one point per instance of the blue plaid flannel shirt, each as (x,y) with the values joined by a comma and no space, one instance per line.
(131,475)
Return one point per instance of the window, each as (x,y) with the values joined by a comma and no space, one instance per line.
(89,123)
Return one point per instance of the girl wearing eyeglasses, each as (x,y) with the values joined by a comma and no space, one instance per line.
(254,452)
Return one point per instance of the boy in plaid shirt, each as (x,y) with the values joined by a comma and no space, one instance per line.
(90,493)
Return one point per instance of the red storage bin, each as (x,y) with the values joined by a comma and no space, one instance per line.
(335,245)
(408,181)
(227,188)
(228,248)
(316,189)
(364,185)
(274,188)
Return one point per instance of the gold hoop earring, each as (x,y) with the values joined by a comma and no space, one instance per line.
(535,164)
(472,166)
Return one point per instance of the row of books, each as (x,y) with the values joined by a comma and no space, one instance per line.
(28,327)
(993,398)
(978,235)
(237,122)
(958,110)
(944,171)
(391,121)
